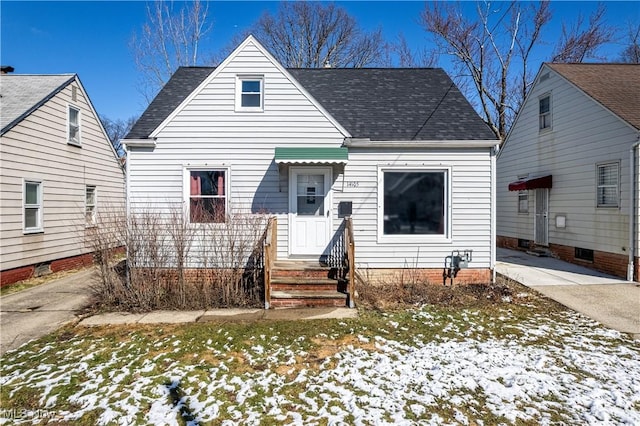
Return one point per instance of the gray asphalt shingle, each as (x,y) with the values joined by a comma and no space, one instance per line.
(20,94)
(389,104)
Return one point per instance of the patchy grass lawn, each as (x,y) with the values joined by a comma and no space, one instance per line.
(500,357)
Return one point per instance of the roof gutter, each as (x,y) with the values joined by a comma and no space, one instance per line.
(443,144)
(138,143)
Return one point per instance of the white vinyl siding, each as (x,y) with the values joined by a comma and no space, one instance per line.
(469,186)
(581,138)
(38,147)
(209,131)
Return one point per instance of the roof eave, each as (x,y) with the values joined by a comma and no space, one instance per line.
(138,143)
(462,143)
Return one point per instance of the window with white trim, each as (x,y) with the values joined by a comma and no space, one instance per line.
(208,195)
(249,93)
(32,206)
(90,205)
(73,126)
(523,201)
(523,198)
(544,111)
(414,202)
(608,185)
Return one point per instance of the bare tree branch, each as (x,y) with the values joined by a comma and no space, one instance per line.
(313,35)
(492,51)
(169,39)
(631,53)
(577,44)
(116,131)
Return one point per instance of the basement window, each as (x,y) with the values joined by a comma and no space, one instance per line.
(583,254)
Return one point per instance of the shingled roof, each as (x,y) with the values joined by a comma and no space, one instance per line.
(21,94)
(615,86)
(388,104)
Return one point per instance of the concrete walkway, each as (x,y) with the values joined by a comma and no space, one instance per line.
(611,301)
(218,315)
(37,311)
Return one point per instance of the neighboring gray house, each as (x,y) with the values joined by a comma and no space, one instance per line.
(399,150)
(567,172)
(58,173)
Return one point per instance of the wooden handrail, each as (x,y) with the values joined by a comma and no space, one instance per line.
(270,247)
(350,254)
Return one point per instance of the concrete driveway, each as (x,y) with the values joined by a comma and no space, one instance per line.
(37,311)
(609,300)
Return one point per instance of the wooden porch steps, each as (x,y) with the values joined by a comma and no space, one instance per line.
(304,284)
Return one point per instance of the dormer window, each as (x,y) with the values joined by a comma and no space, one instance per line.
(249,93)
(74,126)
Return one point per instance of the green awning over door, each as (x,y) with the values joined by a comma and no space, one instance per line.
(310,155)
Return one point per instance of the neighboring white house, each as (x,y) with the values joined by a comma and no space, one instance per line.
(58,172)
(399,150)
(567,172)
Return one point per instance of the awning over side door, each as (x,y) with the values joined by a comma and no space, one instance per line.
(533,183)
(311,155)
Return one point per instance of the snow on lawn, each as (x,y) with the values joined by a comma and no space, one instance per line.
(558,369)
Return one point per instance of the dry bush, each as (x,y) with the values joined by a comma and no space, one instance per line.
(403,290)
(174,264)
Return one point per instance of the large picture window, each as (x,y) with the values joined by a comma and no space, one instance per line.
(207,196)
(414,202)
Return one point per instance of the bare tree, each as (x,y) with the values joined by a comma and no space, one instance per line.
(170,38)
(485,49)
(117,130)
(631,53)
(492,51)
(579,42)
(312,35)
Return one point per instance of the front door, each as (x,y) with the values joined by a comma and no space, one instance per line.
(542,217)
(309,210)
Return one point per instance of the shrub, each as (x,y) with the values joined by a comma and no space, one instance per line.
(174,264)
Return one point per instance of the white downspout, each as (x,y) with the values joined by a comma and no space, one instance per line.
(494,151)
(632,210)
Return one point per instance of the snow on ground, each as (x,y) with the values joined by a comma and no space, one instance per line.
(564,370)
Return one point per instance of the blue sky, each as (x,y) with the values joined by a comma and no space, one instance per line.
(91,38)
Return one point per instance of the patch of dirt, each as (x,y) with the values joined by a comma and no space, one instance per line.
(398,295)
